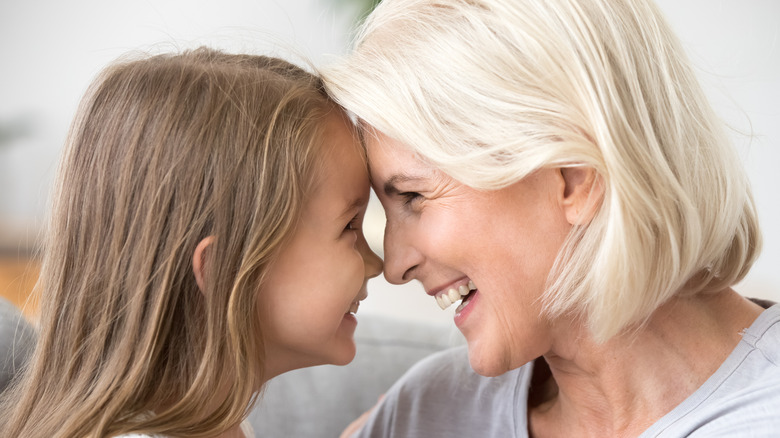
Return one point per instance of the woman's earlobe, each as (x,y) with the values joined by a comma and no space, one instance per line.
(200,262)
(582,194)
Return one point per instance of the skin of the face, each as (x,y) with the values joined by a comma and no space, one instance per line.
(444,233)
(322,272)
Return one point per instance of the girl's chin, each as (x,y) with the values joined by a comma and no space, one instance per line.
(343,357)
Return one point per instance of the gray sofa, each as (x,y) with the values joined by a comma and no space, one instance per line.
(17,338)
(317,402)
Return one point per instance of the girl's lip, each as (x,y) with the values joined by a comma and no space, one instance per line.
(349,319)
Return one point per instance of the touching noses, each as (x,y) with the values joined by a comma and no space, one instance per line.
(371,261)
(402,259)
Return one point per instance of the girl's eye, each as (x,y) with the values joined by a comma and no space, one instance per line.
(354,224)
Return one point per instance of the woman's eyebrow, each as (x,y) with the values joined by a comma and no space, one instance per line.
(390,185)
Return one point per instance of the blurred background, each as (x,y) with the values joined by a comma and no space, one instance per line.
(51,50)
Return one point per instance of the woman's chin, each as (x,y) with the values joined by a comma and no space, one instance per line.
(485,362)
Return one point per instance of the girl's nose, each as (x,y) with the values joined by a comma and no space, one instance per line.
(371,261)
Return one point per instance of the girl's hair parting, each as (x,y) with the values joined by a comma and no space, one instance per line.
(164,152)
(490,91)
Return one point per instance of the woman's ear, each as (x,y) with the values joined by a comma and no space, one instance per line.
(200,261)
(582,194)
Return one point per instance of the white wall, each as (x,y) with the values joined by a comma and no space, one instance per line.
(736,46)
(50,51)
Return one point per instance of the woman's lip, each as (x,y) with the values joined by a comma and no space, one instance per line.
(460,317)
(454,285)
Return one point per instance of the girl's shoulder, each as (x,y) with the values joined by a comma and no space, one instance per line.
(246,428)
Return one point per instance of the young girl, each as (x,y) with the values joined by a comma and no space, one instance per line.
(204,238)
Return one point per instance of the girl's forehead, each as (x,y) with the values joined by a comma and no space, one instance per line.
(342,179)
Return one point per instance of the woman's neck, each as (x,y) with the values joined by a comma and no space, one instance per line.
(621,387)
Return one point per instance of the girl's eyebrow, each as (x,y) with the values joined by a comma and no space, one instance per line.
(352,206)
(390,185)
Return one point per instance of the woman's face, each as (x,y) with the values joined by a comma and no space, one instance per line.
(313,289)
(446,234)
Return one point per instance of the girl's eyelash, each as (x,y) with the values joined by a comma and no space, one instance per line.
(353,224)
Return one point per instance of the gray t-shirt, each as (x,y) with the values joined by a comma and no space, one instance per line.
(441,397)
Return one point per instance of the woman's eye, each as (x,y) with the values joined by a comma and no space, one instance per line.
(409,197)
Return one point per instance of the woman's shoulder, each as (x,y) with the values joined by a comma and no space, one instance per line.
(761,342)
(443,365)
(764,333)
(742,397)
(427,399)
(452,365)
(754,365)
(447,375)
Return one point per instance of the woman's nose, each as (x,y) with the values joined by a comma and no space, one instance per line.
(401,258)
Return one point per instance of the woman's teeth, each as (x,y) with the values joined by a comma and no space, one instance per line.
(453,295)
(354,307)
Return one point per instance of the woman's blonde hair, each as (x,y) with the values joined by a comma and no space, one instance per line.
(164,152)
(490,91)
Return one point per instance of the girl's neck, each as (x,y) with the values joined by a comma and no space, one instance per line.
(623,386)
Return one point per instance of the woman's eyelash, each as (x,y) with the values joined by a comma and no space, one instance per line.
(409,197)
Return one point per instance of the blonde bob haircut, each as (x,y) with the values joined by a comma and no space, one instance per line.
(164,152)
(490,91)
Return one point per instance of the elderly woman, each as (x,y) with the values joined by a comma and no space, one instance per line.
(554,167)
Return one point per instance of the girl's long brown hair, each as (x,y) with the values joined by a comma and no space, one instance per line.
(165,151)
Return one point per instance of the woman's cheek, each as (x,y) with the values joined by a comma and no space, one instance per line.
(444,229)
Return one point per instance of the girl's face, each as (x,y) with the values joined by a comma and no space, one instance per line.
(308,302)
(502,243)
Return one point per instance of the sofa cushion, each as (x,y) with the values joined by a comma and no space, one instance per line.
(321,401)
(17,341)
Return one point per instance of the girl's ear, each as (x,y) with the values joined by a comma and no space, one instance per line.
(582,194)
(200,261)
